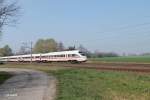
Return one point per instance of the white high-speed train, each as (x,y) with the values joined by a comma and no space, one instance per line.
(62,56)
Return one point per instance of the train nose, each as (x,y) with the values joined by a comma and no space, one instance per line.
(85,58)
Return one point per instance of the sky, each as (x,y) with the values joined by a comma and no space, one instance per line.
(121,26)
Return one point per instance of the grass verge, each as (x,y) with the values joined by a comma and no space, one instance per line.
(128,59)
(81,84)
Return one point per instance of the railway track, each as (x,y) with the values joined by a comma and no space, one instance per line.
(134,67)
(106,66)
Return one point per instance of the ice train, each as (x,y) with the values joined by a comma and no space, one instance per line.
(73,56)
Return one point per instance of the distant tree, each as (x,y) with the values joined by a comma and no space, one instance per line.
(6,51)
(38,48)
(145,54)
(45,46)
(23,50)
(84,50)
(124,54)
(111,54)
(132,54)
(104,54)
(1,52)
(60,46)
(8,12)
(97,54)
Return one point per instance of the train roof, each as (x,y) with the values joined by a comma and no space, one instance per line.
(61,52)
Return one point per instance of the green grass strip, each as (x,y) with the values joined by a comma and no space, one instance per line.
(87,84)
(4,76)
(137,59)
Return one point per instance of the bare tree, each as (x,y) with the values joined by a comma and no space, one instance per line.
(23,50)
(8,13)
(60,46)
(84,50)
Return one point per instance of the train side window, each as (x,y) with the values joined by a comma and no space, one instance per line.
(24,57)
(81,53)
(37,57)
(44,56)
(69,55)
(74,55)
(62,55)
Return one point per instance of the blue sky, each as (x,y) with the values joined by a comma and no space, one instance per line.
(104,25)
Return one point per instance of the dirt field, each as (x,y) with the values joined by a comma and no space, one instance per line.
(111,66)
(136,67)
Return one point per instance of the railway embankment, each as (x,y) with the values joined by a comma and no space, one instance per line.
(83,81)
(135,67)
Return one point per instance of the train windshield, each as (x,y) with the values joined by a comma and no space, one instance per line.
(81,53)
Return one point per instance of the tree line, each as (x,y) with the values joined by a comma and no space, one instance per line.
(6,51)
(51,45)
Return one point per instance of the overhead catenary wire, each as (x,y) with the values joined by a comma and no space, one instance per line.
(131,32)
(122,31)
